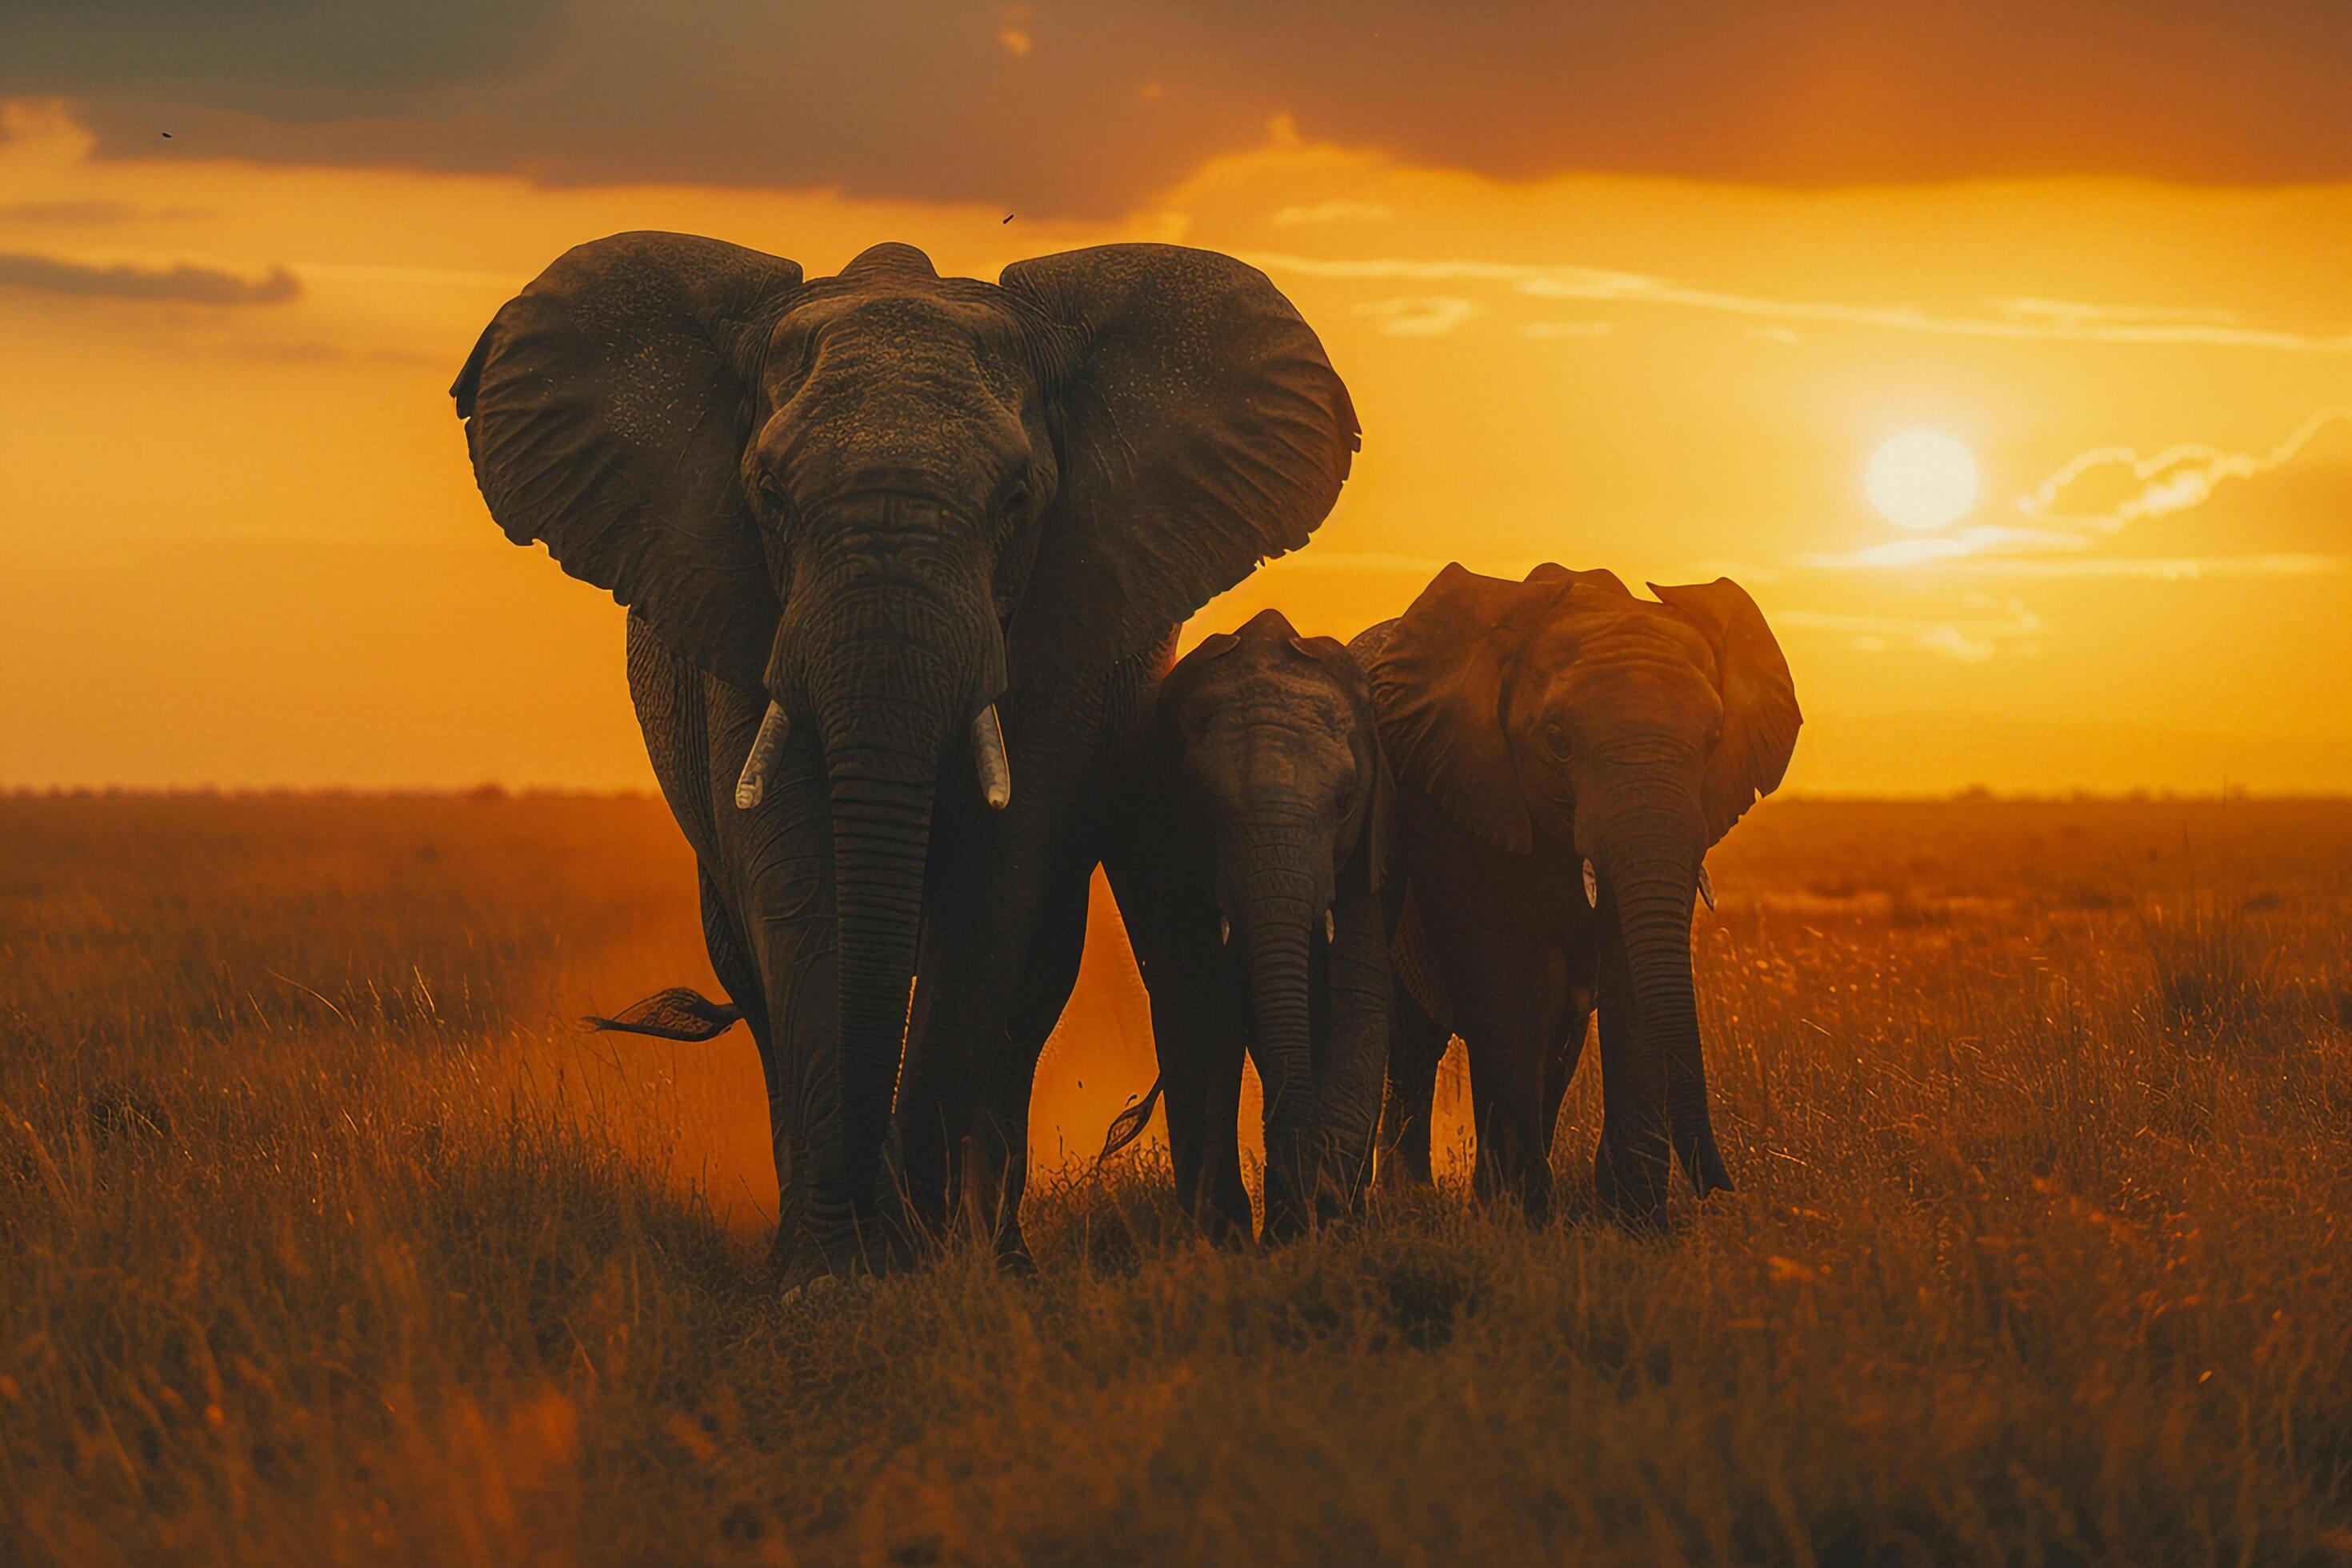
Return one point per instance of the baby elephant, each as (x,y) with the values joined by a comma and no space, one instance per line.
(1566,754)
(1256,901)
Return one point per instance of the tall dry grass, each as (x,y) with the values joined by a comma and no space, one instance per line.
(326,1238)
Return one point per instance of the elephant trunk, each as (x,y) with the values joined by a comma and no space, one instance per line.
(881,836)
(1349,1080)
(1651,859)
(896,670)
(1280,917)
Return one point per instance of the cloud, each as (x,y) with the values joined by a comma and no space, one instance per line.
(184,281)
(1982,539)
(1969,641)
(1953,643)
(2173,479)
(1418,315)
(1091,112)
(1014,36)
(2166,568)
(1331,212)
(2073,313)
(1561,281)
(2061,537)
(95,212)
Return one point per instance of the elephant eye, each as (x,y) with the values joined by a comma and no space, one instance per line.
(1555,738)
(1015,499)
(771,494)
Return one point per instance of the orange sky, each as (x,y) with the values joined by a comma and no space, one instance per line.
(239,543)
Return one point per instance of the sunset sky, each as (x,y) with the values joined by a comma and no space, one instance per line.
(1646,291)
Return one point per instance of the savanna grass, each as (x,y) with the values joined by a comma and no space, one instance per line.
(324,1236)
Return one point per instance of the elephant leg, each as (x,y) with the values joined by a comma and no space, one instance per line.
(990,877)
(1200,1028)
(774,867)
(739,974)
(996,1153)
(1221,1201)
(1507,1064)
(767,904)
(1199,1032)
(1416,1046)
(1631,1170)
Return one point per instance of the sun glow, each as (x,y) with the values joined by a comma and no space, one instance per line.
(1922,479)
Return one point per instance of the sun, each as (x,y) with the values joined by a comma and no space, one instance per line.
(1922,479)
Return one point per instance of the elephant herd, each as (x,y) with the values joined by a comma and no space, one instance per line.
(905,558)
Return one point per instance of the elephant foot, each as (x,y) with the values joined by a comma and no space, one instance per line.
(825,1289)
(1287,1218)
(1281,1229)
(1222,1231)
(1500,1185)
(807,1269)
(1402,1173)
(1013,1260)
(1638,1206)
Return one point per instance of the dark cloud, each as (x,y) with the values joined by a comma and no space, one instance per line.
(1062,107)
(185,282)
(287,58)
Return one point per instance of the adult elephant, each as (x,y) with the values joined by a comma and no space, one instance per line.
(882,535)
(1565,757)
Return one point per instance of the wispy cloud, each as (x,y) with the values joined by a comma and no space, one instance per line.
(1331,212)
(1418,315)
(2163,568)
(2039,320)
(2060,540)
(2075,312)
(1968,640)
(1984,539)
(186,281)
(96,212)
(2026,552)
(2173,479)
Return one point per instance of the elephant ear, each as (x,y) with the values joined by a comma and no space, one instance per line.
(1201,429)
(606,409)
(1759,699)
(1439,686)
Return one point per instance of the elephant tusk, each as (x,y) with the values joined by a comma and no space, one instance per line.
(766,747)
(1224,930)
(988,756)
(1591,887)
(1331,926)
(1706,886)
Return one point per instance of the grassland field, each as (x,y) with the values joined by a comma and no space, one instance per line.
(327,1235)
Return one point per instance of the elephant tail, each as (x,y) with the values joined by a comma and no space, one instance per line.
(677,1013)
(1129,1125)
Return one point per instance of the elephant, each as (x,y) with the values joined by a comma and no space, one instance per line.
(1256,900)
(900,553)
(1565,756)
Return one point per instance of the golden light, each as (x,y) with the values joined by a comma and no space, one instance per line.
(1922,479)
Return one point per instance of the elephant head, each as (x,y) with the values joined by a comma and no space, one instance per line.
(1270,743)
(1634,734)
(887,497)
